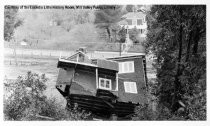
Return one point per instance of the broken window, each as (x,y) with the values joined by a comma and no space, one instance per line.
(130,87)
(105,83)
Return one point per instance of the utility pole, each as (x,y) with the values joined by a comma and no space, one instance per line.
(120,47)
(14,51)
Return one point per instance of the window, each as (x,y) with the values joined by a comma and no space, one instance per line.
(105,84)
(139,22)
(126,67)
(129,21)
(130,87)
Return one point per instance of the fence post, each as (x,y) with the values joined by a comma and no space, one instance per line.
(60,55)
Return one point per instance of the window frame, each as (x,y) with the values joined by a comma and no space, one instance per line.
(130,90)
(123,65)
(105,82)
(141,20)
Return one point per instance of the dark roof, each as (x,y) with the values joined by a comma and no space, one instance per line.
(97,63)
(106,64)
(74,62)
(134,15)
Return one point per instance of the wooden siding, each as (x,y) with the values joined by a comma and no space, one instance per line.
(84,81)
(138,76)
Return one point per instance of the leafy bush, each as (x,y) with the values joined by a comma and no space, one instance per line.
(24,100)
(24,93)
(193,108)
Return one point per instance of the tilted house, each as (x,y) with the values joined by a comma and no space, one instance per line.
(112,85)
(86,75)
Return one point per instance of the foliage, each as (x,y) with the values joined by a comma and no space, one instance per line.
(24,99)
(43,25)
(11,21)
(24,93)
(133,34)
(68,18)
(57,29)
(132,8)
(81,35)
(177,38)
(143,112)
(122,35)
(107,18)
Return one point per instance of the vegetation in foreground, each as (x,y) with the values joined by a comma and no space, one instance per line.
(177,39)
(24,100)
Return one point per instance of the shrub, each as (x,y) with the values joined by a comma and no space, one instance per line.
(24,100)
(24,93)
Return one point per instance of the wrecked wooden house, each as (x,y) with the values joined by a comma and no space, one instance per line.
(103,86)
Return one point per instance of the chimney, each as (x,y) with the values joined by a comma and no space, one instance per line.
(82,49)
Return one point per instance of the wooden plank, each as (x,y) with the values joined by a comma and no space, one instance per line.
(96,78)
(116,82)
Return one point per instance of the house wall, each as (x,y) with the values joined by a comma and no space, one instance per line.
(139,77)
(143,26)
(84,81)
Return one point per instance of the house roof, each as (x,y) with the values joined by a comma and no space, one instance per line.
(73,62)
(99,63)
(126,57)
(134,15)
(79,52)
(106,64)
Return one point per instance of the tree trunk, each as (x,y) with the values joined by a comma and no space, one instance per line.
(120,48)
(188,46)
(177,83)
(115,36)
(196,39)
(109,33)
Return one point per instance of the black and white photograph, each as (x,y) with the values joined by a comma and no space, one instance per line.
(114,62)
